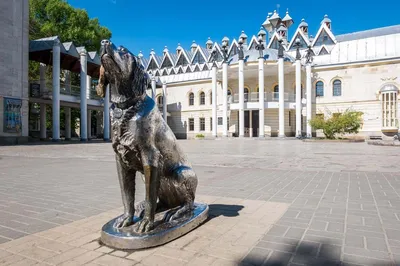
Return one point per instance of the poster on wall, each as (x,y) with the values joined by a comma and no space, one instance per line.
(12,115)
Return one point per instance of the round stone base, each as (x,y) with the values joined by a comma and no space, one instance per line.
(128,238)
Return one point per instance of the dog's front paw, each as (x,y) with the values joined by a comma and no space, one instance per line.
(124,221)
(145,225)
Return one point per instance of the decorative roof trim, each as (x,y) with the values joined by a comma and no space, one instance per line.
(198,50)
(298,31)
(152,57)
(327,30)
(253,39)
(275,36)
(169,57)
(324,47)
(182,52)
(234,42)
(216,46)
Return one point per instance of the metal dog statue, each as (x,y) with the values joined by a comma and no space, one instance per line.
(143,142)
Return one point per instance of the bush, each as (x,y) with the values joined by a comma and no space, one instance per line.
(199,136)
(347,122)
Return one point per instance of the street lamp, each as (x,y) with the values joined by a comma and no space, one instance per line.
(260,46)
(241,53)
(309,55)
(297,44)
(225,45)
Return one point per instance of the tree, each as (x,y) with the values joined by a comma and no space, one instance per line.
(58,18)
(348,122)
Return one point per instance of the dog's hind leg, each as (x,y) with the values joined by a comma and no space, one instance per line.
(185,190)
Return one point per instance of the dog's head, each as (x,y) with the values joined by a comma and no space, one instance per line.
(123,71)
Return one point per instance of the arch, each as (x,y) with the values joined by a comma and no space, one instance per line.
(160,101)
(191,98)
(202,98)
(385,87)
(275,92)
(337,87)
(319,88)
(389,107)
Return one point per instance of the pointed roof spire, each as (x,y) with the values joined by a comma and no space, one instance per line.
(209,41)
(194,45)
(261,32)
(267,24)
(288,19)
(326,19)
(303,23)
(275,19)
(243,35)
(165,49)
(152,52)
(140,55)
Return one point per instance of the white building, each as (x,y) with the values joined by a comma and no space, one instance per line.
(360,71)
(234,88)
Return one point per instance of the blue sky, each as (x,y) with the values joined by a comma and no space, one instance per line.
(143,25)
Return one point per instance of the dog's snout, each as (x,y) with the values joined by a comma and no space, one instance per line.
(105,42)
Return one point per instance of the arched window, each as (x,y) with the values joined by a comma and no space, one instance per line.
(246,94)
(319,89)
(276,92)
(337,88)
(202,98)
(389,107)
(191,98)
(160,102)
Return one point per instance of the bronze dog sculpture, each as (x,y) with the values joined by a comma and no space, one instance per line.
(143,142)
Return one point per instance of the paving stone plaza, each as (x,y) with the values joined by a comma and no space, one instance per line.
(271,202)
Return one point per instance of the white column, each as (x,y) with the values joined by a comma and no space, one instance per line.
(309,100)
(43,128)
(89,124)
(153,88)
(67,111)
(106,117)
(261,96)
(298,98)
(281,98)
(83,105)
(88,86)
(241,98)
(164,87)
(225,99)
(43,88)
(251,123)
(56,90)
(214,101)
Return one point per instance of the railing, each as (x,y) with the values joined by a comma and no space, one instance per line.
(73,90)
(268,97)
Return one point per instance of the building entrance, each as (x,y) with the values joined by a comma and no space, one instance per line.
(251,123)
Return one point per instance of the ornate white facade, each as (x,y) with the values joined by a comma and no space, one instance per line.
(359,71)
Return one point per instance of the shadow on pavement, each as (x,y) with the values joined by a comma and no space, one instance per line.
(216,210)
(290,253)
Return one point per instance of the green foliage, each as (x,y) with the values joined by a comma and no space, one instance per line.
(58,18)
(348,122)
(199,136)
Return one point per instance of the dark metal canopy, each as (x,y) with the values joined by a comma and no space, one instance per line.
(41,50)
